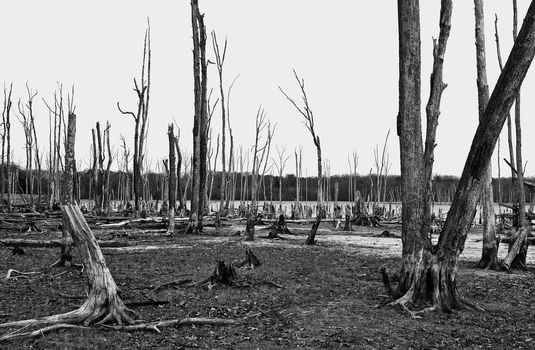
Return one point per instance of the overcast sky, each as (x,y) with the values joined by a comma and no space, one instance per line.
(347,52)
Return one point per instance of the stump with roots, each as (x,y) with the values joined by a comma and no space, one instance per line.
(311,239)
(281,227)
(225,274)
(427,285)
(103,304)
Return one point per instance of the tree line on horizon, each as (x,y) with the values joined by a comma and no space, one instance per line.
(444,187)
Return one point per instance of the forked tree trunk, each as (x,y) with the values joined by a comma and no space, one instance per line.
(489,255)
(429,273)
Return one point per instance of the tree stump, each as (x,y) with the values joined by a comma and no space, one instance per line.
(311,239)
(280,228)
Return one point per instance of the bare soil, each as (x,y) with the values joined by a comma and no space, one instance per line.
(332,294)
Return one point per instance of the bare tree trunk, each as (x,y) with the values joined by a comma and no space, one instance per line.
(489,256)
(181,203)
(199,145)
(520,257)
(67,190)
(6,119)
(172,180)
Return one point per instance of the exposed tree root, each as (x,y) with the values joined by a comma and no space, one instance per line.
(153,326)
(14,274)
(39,332)
(428,284)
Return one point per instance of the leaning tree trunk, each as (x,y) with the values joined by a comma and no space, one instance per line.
(489,256)
(103,303)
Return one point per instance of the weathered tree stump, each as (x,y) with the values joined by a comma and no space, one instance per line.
(311,239)
(281,227)
(251,261)
(348,224)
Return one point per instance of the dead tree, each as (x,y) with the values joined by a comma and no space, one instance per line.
(140,119)
(280,169)
(220,60)
(516,258)
(429,272)
(27,121)
(172,180)
(67,188)
(31,95)
(6,139)
(200,119)
(308,116)
(126,169)
(489,257)
(379,167)
(107,189)
(181,204)
(231,190)
(55,160)
(259,156)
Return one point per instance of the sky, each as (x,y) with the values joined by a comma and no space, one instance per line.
(346,50)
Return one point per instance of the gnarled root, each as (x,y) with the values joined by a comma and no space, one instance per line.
(428,285)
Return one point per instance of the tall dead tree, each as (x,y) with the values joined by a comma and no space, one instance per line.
(231,185)
(31,114)
(220,60)
(6,141)
(172,180)
(308,116)
(181,204)
(516,258)
(67,188)
(200,118)
(56,122)
(489,256)
(509,123)
(428,272)
(259,156)
(380,166)
(280,169)
(140,119)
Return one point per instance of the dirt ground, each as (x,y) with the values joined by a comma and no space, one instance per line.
(328,296)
